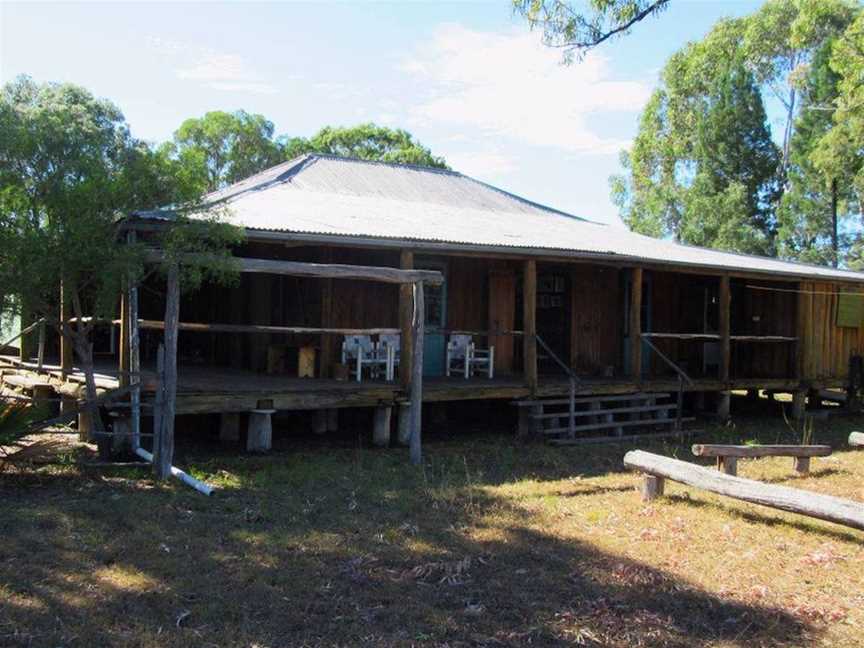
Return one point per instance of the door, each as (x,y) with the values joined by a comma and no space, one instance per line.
(502,315)
(553,318)
(435,338)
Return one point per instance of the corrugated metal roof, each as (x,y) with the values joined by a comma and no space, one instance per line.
(330,196)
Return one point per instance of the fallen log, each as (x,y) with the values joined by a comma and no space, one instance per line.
(856,439)
(823,507)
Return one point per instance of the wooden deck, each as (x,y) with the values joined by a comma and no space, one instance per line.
(203,389)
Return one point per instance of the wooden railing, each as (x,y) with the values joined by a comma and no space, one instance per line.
(574,381)
(682,377)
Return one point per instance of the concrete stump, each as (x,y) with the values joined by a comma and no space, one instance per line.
(121,440)
(229,427)
(381,427)
(259,437)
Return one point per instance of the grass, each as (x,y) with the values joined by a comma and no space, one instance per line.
(492,543)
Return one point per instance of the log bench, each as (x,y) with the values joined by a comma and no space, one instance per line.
(656,469)
(856,439)
(728,455)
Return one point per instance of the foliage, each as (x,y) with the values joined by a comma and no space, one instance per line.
(703,167)
(577,30)
(221,148)
(366,142)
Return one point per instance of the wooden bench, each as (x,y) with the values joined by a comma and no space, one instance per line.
(656,469)
(856,439)
(728,455)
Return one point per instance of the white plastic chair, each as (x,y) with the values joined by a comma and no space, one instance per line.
(388,348)
(358,351)
(463,356)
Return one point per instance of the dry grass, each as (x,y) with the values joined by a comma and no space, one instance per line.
(492,544)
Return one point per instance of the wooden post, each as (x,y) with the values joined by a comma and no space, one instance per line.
(801,465)
(724,307)
(529,323)
(320,422)
(158,402)
(404,424)
(406,316)
(418,330)
(40,349)
(328,341)
(123,364)
(165,456)
(381,427)
(636,325)
(65,336)
(134,362)
(799,404)
(652,487)
(728,465)
(25,341)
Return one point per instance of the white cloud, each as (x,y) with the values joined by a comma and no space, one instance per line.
(510,85)
(482,164)
(210,68)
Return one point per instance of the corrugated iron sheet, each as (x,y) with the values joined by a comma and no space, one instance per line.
(321,195)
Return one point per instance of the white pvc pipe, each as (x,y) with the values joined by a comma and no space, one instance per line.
(186,478)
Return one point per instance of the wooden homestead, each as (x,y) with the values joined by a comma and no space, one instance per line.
(595,331)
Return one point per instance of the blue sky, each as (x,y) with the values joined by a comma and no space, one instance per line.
(467,78)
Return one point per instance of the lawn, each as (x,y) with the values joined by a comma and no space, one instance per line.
(326,542)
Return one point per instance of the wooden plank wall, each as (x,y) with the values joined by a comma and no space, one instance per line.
(763,312)
(826,347)
(597,320)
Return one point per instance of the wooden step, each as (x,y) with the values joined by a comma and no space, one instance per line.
(590,399)
(624,439)
(615,424)
(600,412)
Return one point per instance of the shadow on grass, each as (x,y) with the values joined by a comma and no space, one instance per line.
(338,551)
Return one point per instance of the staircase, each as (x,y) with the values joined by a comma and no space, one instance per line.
(603,418)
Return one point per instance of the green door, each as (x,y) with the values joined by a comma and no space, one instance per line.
(435,340)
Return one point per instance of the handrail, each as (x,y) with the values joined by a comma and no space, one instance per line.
(671,364)
(573,379)
(570,373)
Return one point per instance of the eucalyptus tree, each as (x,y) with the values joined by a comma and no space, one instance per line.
(69,169)
(771,53)
(366,142)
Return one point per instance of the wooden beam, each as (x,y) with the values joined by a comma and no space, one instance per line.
(823,507)
(202,327)
(720,450)
(418,330)
(529,322)
(324,270)
(406,315)
(636,324)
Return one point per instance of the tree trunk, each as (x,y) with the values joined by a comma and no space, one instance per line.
(85,354)
(835,244)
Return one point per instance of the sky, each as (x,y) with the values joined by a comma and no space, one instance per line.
(468,79)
